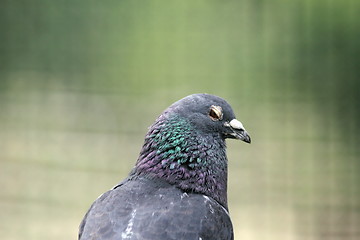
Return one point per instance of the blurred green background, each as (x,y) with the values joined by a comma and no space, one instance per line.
(80,82)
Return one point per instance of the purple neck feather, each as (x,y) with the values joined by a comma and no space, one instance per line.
(193,161)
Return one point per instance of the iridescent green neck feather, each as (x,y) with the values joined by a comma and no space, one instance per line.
(192,159)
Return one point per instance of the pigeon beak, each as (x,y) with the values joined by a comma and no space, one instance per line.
(237,131)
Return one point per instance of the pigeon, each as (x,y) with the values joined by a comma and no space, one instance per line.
(178,186)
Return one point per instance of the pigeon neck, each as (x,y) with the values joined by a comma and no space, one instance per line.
(184,157)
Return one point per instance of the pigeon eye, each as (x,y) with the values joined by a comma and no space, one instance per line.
(215,113)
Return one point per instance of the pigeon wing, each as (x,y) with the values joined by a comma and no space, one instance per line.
(146,209)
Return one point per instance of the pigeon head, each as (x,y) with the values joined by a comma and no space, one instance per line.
(186,145)
(209,114)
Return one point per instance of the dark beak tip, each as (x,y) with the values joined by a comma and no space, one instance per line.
(247,139)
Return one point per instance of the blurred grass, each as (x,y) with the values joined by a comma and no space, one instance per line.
(81,82)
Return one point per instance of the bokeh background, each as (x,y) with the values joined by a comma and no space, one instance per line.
(80,82)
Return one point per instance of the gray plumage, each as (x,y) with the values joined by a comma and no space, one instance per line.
(178,187)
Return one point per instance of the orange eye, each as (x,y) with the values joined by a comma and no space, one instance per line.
(215,113)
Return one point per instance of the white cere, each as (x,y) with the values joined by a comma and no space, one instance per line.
(236,124)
